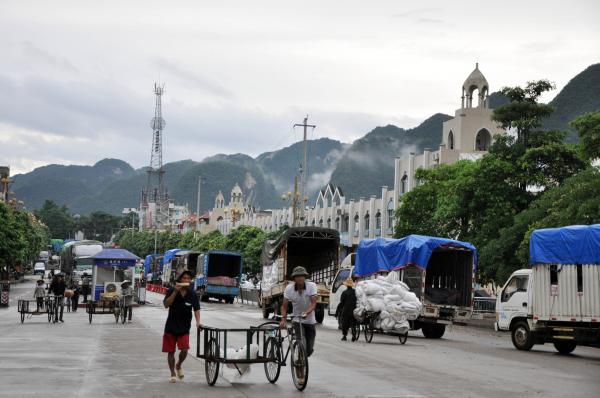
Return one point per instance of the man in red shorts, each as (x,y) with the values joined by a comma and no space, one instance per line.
(181,301)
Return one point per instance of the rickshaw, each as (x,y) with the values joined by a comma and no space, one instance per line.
(268,340)
(24,307)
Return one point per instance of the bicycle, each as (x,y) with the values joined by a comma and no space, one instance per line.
(296,350)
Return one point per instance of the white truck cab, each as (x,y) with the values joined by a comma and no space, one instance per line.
(515,300)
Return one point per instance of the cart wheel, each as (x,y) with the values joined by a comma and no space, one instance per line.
(123,315)
(273,353)
(403,338)
(22,317)
(299,365)
(357,332)
(90,311)
(211,363)
(368,332)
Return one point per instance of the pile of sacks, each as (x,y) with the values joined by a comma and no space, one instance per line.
(391,299)
(240,353)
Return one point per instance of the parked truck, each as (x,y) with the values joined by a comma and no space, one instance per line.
(218,275)
(439,271)
(557,300)
(176,261)
(75,256)
(316,249)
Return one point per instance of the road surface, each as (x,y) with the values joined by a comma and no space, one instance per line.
(76,359)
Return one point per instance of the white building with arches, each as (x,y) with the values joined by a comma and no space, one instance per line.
(468,135)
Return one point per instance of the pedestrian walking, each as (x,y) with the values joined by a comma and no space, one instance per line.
(303,296)
(345,310)
(39,294)
(75,296)
(85,286)
(181,301)
(127,297)
(57,288)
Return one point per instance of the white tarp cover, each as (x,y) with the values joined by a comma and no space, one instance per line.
(389,297)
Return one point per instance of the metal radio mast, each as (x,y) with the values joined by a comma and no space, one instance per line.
(155,199)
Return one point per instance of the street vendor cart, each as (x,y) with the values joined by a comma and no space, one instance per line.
(26,308)
(111,267)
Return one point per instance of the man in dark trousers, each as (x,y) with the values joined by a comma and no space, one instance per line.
(57,287)
(85,286)
(181,301)
(345,310)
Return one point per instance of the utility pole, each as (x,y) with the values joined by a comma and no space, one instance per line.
(198,204)
(304,167)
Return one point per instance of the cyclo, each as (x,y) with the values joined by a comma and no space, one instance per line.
(270,340)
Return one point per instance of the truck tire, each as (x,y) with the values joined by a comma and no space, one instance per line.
(522,337)
(565,347)
(319,314)
(433,330)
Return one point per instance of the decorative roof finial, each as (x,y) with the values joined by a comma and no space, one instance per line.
(476,65)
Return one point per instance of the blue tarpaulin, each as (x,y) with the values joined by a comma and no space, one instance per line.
(115,257)
(576,244)
(384,255)
(169,254)
(148,263)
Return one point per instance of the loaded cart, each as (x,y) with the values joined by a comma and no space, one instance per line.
(110,269)
(261,344)
(28,308)
(369,326)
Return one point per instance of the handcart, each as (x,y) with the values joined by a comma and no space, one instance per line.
(212,347)
(367,324)
(103,307)
(25,308)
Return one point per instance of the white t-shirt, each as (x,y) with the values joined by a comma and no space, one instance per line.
(301,300)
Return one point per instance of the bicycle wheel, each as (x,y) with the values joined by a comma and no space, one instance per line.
(211,362)
(273,353)
(299,362)
(357,332)
(123,315)
(50,310)
(403,338)
(22,317)
(368,329)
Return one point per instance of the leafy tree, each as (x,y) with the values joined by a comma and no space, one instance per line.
(98,225)
(588,128)
(56,218)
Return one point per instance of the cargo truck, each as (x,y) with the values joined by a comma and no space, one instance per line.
(557,300)
(316,249)
(218,275)
(439,271)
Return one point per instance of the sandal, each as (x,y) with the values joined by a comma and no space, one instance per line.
(179,373)
(173,379)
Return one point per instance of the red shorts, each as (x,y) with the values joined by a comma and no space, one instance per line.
(170,340)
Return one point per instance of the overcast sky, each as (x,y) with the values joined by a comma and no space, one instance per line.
(76,77)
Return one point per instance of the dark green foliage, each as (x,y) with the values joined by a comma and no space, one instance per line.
(588,128)
(57,218)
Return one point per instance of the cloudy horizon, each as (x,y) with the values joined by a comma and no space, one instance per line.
(77,76)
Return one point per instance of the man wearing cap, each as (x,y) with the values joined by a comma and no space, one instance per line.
(58,287)
(181,301)
(303,296)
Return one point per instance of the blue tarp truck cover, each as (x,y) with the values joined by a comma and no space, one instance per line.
(576,244)
(384,255)
(169,254)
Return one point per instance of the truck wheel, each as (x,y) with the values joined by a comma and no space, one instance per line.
(319,314)
(433,331)
(565,347)
(522,337)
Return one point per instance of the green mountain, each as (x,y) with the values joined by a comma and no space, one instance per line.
(369,162)
(580,95)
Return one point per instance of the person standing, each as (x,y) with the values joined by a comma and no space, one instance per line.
(58,287)
(127,297)
(39,294)
(85,286)
(345,310)
(303,296)
(181,301)
(75,296)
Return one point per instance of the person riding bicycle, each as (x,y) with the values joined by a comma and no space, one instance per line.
(303,296)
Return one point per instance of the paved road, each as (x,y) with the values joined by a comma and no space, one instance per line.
(76,359)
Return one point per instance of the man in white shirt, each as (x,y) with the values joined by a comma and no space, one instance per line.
(303,296)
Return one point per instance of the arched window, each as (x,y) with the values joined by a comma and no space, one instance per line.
(378,220)
(450,140)
(346,223)
(313,222)
(329,223)
(404,184)
(367,223)
(306,223)
(483,140)
(219,219)
(390,215)
(356,222)
(321,223)
(337,224)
